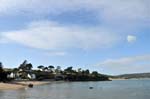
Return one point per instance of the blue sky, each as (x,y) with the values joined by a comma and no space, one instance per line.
(110,36)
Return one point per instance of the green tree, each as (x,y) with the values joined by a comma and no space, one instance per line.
(87,72)
(1,67)
(15,71)
(79,70)
(3,74)
(95,73)
(25,68)
(51,67)
(23,65)
(41,67)
(58,69)
(29,66)
(45,69)
(69,70)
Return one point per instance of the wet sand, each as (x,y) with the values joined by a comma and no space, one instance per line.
(20,84)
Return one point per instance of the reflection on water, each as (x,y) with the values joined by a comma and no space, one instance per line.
(128,89)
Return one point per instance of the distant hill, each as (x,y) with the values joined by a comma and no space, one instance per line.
(135,75)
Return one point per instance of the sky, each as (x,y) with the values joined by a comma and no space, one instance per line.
(109,36)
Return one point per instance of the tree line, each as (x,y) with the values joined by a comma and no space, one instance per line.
(25,71)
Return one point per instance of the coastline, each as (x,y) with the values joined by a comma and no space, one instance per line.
(14,85)
(117,79)
(20,84)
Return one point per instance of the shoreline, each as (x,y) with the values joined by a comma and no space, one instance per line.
(117,79)
(14,85)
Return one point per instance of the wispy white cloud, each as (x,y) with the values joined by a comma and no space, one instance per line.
(127,64)
(53,53)
(131,38)
(116,14)
(126,60)
(39,7)
(112,12)
(53,36)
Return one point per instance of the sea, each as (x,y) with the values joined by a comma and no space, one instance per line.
(117,89)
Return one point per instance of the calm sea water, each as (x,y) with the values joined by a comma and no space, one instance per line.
(125,89)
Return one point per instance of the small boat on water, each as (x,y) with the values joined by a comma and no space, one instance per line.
(30,85)
(90,87)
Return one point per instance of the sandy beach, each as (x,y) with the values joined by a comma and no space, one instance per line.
(20,84)
(117,79)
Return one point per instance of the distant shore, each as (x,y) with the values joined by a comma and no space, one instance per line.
(117,79)
(20,84)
